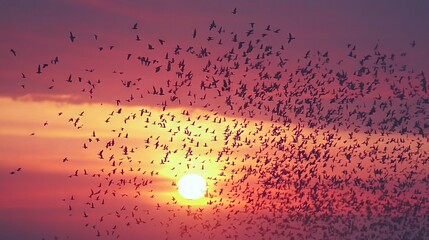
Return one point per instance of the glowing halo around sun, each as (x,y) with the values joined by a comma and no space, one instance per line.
(192,186)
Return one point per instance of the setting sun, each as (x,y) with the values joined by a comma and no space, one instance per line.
(192,186)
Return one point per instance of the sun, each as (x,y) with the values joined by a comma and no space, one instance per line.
(192,186)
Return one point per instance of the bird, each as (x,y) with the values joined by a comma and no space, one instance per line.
(13,52)
(290,38)
(72,37)
(212,25)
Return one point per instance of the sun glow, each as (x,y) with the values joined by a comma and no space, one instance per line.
(192,186)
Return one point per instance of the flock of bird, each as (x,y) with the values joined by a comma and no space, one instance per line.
(308,148)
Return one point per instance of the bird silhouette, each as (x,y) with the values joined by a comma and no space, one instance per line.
(72,37)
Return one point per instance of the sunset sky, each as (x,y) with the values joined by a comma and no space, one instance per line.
(307,119)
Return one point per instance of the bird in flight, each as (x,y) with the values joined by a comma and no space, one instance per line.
(212,25)
(290,38)
(234,11)
(13,52)
(194,35)
(72,37)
